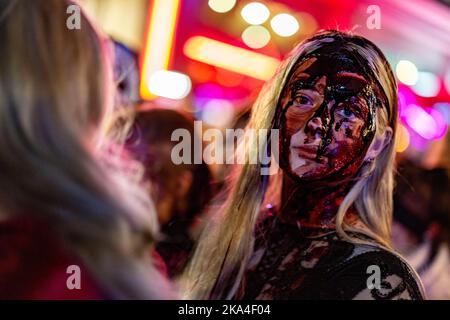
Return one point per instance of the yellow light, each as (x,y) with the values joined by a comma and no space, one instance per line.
(407,72)
(255,13)
(256,37)
(159,41)
(284,24)
(169,84)
(403,138)
(221,6)
(229,57)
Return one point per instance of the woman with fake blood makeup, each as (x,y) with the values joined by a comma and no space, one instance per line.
(321,228)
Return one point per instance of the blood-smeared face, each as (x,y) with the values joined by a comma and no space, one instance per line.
(327,118)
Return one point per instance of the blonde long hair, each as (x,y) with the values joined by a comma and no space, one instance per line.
(54,95)
(226,244)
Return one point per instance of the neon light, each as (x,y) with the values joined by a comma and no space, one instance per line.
(232,58)
(159,41)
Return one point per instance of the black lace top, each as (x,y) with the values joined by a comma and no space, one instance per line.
(291,264)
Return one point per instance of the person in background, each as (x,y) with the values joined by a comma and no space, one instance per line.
(126,76)
(181,191)
(72,224)
(422,217)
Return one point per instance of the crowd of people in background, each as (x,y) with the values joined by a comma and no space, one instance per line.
(86,180)
(422,217)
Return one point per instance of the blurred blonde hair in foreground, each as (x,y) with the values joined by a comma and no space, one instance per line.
(55,91)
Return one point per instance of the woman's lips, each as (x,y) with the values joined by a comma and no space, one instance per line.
(309,152)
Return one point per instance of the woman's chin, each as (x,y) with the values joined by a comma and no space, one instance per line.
(310,171)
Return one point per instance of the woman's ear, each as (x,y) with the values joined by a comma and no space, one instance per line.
(379,144)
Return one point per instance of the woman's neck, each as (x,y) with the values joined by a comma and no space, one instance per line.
(313,205)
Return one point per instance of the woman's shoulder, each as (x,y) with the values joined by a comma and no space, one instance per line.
(372,272)
(34,264)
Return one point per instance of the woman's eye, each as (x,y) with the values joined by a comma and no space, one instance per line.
(347,113)
(304,100)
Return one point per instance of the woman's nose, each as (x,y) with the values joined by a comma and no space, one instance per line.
(315,125)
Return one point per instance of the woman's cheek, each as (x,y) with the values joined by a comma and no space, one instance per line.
(295,120)
(349,131)
(298,138)
(345,142)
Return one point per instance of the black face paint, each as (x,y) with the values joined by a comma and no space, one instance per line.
(350,89)
(340,92)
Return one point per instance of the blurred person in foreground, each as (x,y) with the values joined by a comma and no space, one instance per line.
(66,207)
(422,217)
(317,228)
(181,191)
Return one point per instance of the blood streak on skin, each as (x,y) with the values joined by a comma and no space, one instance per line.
(295,118)
(338,111)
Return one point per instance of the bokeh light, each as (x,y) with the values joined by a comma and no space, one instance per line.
(218,112)
(284,24)
(427,123)
(221,6)
(444,109)
(420,121)
(428,85)
(255,13)
(169,84)
(447,81)
(406,72)
(403,138)
(208,91)
(256,37)
(440,123)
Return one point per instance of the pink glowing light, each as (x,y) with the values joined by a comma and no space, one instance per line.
(209,90)
(441,124)
(405,98)
(427,123)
